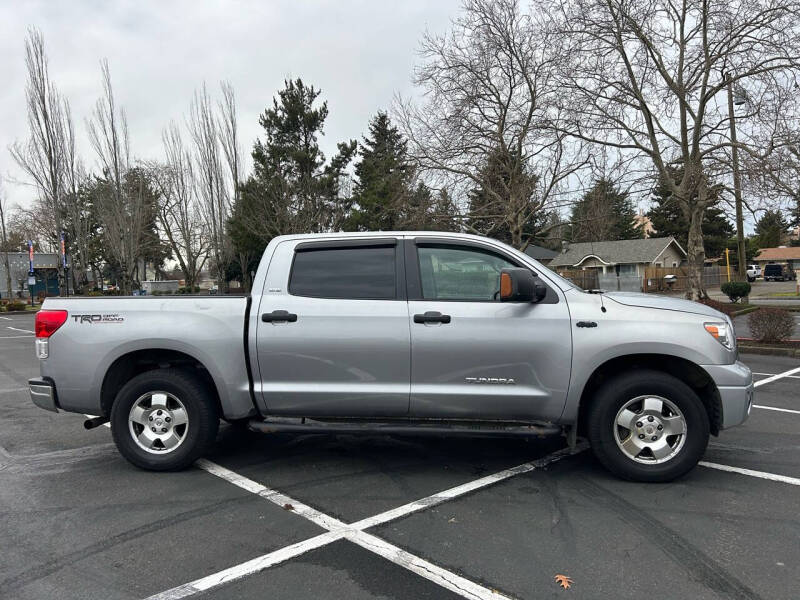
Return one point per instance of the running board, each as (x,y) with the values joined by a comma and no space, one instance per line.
(275,425)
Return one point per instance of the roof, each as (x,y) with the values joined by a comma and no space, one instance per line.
(784,253)
(540,253)
(615,252)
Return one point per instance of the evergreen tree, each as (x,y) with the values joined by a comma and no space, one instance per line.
(384,178)
(291,189)
(505,204)
(668,218)
(771,229)
(603,213)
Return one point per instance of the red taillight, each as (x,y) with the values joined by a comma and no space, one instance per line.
(48,321)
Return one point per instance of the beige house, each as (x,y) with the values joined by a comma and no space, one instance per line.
(782,255)
(621,257)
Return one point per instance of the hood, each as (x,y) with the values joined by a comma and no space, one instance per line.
(664,303)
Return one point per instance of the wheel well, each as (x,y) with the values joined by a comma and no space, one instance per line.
(128,366)
(688,372)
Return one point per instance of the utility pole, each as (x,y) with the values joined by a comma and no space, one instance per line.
(737,182)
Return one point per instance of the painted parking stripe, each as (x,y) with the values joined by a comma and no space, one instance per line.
(776,377)
(446,579)
(787,376)
(446,495)
(312,514)
(787,410)
(6,318)
(248,568)
(751,473)
(22,330)
(354,532)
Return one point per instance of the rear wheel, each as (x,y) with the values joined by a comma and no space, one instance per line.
(648,426)
(164,420)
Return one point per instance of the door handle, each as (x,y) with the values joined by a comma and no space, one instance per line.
(279,316)
(432,317)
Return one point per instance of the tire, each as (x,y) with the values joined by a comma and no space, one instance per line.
(175,403)
(614,445)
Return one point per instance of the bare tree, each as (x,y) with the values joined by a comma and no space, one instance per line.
(44,156)
(212,186)
(229,139)
(179,213)
(648,78)
(4,238)
(489,89)
(121,205)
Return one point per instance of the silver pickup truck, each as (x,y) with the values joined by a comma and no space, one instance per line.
(399,333)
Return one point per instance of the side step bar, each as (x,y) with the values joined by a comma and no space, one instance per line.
(400,428)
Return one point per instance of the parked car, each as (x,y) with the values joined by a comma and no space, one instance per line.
(440,333)
(779,273)
(753,272)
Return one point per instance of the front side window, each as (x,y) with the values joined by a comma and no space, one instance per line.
(466,274)
(354,273)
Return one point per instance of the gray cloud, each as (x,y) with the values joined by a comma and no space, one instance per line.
(358,52)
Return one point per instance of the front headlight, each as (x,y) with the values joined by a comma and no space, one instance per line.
(722,332)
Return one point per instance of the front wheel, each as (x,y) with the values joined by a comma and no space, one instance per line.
(647,426)
(164,420)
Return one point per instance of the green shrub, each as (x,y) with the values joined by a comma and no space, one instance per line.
(189,290)
(15,305)
(95,293)
(735,290)
(771,324)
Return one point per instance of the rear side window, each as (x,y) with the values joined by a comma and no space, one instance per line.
(354,273)
(773,269)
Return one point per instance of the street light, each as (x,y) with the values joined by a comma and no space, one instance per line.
(739,98)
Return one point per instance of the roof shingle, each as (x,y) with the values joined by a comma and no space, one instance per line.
(616,252)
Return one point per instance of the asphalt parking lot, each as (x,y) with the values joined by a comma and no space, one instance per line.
(377,517)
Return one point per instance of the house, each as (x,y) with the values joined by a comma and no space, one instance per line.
(45,269)
(782,255)
(621,257)
(543,255)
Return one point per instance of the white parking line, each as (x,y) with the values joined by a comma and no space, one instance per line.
(22,330)
(787,376)
(796,412)
(6,318)
(354,532)
(776,377)
(751,473)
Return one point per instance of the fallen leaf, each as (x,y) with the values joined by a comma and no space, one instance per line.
(288,507)
(563,581)
(452,520)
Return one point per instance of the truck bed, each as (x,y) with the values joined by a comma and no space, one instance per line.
(105,332)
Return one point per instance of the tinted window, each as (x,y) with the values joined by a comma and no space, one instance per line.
(345,273)
(449,273)
(773,270)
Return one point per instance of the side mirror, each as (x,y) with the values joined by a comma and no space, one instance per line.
(520,285)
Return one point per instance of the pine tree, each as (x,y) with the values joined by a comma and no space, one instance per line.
(668,218)
(771,229)
(292,189)
(384,178)
(603,213)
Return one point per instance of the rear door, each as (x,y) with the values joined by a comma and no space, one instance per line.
(333,334)
(473,357)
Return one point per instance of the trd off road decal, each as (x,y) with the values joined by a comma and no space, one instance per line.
(101,318)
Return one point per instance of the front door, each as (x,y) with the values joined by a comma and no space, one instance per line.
(333,336)
(472,356)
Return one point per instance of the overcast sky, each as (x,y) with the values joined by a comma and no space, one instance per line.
(359,53)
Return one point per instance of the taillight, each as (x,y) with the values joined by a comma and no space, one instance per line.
(48,321)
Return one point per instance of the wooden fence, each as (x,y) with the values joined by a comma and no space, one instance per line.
(655,280)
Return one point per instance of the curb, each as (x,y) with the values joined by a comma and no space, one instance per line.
(792,352)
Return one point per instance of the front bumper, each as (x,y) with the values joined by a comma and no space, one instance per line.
(736,392)
(43,394)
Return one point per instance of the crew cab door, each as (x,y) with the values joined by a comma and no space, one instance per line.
(333,335)
(472,356)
